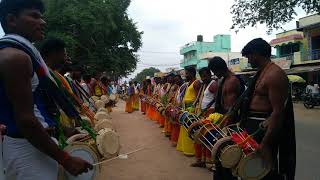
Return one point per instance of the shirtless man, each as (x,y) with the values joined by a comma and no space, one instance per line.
(270,106)
(29,150)
(229,89)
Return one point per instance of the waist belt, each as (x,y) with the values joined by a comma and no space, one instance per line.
(258,116)
(51,132)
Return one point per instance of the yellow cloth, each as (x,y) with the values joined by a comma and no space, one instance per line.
(215,117)
(65,121)
(185,144)
(136,103)
(190,95)
(97,90)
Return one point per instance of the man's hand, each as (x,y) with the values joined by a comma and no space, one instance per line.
(266,154)
(76,166)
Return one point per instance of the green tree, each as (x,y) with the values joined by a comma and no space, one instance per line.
(274,13)
(146,72)
(99,33)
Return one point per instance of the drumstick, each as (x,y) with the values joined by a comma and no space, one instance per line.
(102,162)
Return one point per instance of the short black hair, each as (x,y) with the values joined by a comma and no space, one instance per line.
(52,45)
(204,70)
(15,7)
(257,46)
(191,70)
(217,63)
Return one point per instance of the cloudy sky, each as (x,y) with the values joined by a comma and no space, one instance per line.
(169,24)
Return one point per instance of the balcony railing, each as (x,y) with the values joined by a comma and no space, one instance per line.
(311,55)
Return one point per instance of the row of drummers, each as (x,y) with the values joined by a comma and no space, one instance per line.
(97,142)
(232,146)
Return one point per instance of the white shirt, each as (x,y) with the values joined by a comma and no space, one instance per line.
(208,96)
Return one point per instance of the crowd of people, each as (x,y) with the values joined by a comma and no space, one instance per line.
(264,104)
(43,101)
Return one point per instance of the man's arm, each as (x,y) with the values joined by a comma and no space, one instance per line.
(232,91)
(197,86)
(16,73)
(278,93)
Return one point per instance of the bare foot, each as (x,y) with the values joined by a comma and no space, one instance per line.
(199,164)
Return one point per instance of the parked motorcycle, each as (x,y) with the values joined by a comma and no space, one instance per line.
(311,100)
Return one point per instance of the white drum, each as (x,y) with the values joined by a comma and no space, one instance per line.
(101,115)
(251,167)
(85,152)
(105,98)
(105,123)
(108,143)
(99,104)
(95,98)
(113,97)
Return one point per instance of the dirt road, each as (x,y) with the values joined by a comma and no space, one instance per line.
(156,158)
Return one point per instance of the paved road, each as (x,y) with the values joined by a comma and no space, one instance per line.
(308,144)
(160,161)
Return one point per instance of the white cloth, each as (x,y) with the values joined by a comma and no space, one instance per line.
(312,89)
(85,87)
(24,162)
(208,96)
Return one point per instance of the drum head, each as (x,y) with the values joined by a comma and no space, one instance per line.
(108,143)
(105,123)
(85,152)
(183,116)
(76,138)
(99,104)
(101,115)
(230,155)
(251,167)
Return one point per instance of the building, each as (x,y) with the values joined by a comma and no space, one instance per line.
(196,53)
(298,51)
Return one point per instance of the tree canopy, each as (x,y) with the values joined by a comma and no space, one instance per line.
(274,13)
(99,33)
(146,72)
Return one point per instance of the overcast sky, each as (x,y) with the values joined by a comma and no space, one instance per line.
(170,24)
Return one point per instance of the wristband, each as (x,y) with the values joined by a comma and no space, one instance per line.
(64,158)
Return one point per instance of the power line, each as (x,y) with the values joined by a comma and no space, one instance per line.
(159,65)
(159,52)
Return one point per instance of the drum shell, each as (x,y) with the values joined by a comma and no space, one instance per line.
(108,143)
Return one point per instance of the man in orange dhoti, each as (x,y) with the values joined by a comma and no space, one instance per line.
(178,103)
(205,101)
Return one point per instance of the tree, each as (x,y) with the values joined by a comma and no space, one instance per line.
(146,72)
(99,33)
(274,13)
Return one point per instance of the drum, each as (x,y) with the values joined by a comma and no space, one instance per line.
(101,115)
(168,111)
(227,152)
(95,98)
(208,135)
(108,143)
(100,104)
(251,167)
(183,116)
(113,97)
(83,146)
(104,98)
(105,123)
(251,164)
